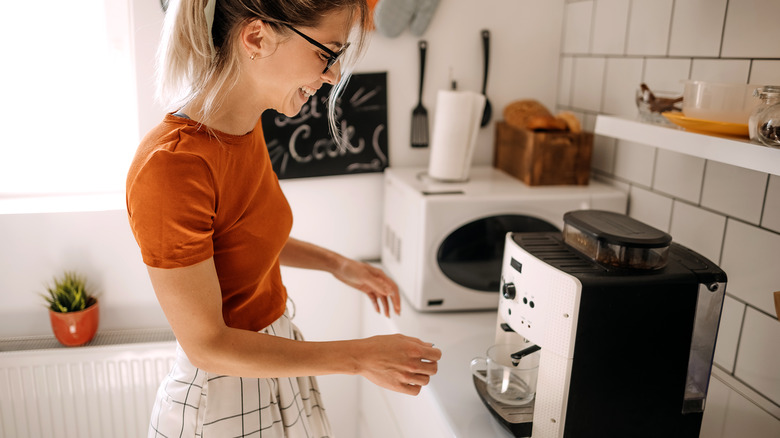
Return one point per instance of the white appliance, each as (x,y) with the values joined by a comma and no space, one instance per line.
(443,242)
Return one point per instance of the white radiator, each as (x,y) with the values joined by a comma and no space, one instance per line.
(103,389)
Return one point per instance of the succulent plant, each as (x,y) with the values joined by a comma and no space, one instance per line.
(69,294)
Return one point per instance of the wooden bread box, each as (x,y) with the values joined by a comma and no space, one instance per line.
(541,158)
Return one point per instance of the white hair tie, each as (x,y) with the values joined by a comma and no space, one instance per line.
(208,11)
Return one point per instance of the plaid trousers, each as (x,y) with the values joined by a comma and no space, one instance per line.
(193,403)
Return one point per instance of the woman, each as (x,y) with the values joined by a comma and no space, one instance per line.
(213,225)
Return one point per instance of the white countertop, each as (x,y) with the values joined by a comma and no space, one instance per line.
(461,336)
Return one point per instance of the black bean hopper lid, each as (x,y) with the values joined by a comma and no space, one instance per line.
(616,240)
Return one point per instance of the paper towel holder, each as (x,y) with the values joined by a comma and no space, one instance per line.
(426,178)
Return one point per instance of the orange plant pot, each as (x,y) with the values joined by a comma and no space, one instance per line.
(75,328)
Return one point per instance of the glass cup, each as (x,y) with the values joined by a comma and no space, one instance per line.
(508,381)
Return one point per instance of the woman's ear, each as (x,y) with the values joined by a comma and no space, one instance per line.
(258,39)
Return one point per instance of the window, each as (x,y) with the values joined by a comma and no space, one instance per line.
(69,105)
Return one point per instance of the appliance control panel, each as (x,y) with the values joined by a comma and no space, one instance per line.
(538,301)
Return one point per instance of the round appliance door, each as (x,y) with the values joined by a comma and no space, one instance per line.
(471,256)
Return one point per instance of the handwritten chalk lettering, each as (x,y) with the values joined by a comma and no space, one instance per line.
(326,147)
(302,146)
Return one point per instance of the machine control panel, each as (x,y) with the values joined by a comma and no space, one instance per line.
(537,300)
(509,291)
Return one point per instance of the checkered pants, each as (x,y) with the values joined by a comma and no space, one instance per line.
(193,403)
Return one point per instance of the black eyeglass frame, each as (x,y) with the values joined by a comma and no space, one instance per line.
(333,57)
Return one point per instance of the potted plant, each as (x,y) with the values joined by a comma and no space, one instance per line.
(73,310)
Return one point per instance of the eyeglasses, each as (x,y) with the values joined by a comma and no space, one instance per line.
(332,58)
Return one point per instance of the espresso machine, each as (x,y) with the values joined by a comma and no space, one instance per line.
(626,321)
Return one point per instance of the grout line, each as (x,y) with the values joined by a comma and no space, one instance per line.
(564,30)
(723,30)
(739,338)
(671,25)
(753,307)
(703,179)
(628,28)
(654,169)
(741,388)
(592,25)
(766,198)
(723,242)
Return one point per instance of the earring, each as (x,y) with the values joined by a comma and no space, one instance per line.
(252,57)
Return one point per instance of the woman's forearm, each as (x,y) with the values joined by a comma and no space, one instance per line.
(246,353)
(395,362)
(299,254)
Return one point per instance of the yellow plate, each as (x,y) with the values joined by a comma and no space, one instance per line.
(709,126)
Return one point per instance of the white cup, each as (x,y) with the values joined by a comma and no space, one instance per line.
(506,382)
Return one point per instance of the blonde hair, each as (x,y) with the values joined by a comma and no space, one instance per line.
(188,67)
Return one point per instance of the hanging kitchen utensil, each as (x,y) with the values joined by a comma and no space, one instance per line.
(486,50)
(420,114)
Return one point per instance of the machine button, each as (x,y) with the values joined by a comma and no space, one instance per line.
(525,300)
(531,304)
(509,291)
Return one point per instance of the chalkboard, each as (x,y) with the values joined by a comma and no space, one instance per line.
(302,146)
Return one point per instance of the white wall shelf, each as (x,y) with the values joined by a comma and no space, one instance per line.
(727,150)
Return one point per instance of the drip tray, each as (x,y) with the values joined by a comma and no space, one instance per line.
(518,420)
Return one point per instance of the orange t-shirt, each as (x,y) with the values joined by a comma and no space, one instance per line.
(192,195)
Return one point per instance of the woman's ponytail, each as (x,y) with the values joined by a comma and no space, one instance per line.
(185,57)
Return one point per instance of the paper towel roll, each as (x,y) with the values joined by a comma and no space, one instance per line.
(455,129)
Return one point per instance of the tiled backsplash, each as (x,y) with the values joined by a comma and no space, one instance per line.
(728,214)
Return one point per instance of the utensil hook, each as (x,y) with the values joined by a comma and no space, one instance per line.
(423,47)
(486,51)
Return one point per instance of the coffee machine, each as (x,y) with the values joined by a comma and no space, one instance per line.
(626,321)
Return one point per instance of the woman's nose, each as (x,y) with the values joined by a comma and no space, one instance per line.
(333,74)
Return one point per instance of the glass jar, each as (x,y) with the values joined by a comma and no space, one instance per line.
(764,123)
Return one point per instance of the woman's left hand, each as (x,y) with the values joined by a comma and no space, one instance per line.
(373,282)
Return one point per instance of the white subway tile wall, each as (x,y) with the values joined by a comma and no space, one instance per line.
(697,228)
(734,190)
(565,80)
(771,218)
(603,153)
(622,77)
(728,214)
(648,27)
(757,365)
(650,208)
(610,23)
(679,175)
(588,83)
(765,72)
(750,259)
(728,333)
(576,27)
(634,162)
(751,29)
(728,415)
(664,74)
(696,27)
(714,420)
(720,70)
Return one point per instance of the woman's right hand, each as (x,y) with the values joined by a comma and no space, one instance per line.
(397,362)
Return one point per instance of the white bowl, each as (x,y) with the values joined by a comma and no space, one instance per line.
(719,102)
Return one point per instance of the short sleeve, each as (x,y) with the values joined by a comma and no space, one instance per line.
(171,204)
